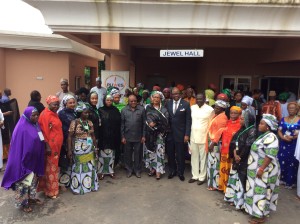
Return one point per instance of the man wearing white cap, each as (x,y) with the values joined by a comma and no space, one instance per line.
(64,84)
(101,91)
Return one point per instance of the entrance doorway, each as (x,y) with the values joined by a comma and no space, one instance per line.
(280,85)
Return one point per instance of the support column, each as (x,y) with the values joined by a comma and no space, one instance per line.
(2,69)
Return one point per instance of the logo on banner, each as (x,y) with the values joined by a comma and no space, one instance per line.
(115,81)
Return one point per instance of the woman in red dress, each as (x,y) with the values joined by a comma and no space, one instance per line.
(52,130)
(233,125)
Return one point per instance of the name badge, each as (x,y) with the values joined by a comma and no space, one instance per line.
(236,146)
(41,136)
(288,133)
(89,141)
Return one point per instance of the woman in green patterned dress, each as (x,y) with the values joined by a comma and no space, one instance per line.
(157,123)
(263,172)
(81,147)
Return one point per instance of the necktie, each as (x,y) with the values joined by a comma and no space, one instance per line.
(175,107)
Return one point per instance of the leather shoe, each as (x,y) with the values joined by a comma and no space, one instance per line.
(138,175)
(181,177)
(171,175)
(192,181)
(200,182)
(129,174)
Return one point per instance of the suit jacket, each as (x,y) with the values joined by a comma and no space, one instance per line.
(180,122)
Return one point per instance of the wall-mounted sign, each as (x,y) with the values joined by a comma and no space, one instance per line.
(192,53)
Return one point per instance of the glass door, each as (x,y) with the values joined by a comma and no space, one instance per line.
(242,83)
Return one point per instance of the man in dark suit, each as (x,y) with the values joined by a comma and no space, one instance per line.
(180,121)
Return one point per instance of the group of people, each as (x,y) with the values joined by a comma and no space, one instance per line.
(239,144)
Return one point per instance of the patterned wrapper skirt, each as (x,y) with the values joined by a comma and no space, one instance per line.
(155,160)
(84,175)
(213,167)
(24,192)
(106,161)
(49,182)
(225,165)
(235,191)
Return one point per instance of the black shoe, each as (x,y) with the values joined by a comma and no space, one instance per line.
(192,181)
(181,177)
(200,182)
(171,175)
(129,174)
(138,175)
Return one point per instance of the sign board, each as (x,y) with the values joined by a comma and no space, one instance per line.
(192,53)
(119,79)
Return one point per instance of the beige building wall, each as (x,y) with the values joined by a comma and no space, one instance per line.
(23,68)
(210,69)
(2,69)
(77,65)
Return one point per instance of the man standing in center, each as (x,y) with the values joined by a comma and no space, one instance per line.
(202,114)
(133,135)
(180,121)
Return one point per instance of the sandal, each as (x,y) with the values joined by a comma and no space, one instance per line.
(151,173)
(53,197)
(211,189)
(27,209)
(35,201)
(256,221)
(101,176)
(112,175)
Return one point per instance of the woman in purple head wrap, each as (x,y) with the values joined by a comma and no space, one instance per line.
(26,160)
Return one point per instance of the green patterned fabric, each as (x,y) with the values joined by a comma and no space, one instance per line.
(262,194)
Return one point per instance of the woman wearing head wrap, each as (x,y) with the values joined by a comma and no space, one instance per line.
(94,115)
(239,150)
(109,142)
(140,87)
(263,172)
(227,92)
(145,98)
(26,160)
(157,123)
(81,148)
(289,128)
(52,130)
(210,97)
(215,130)
(66,115)
(282,97)
(233,125)
(116,100)
(246,104)
(156,88)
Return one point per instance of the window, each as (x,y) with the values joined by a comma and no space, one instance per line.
(236,83)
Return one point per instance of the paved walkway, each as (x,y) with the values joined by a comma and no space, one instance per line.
(145,200)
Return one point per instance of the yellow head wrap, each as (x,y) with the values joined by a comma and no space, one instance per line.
(238,109)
